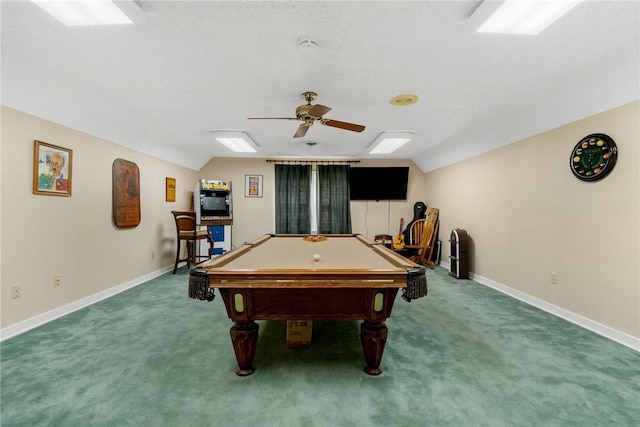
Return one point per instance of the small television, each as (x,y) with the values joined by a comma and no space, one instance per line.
(214,204)
(378,183)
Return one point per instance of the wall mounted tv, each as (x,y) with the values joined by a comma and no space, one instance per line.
(378,183)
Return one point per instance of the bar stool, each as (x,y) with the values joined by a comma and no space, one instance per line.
(187,230)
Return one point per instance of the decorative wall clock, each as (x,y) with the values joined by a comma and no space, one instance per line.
(593,157)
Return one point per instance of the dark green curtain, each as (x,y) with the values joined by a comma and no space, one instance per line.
(293,194)
(334,209)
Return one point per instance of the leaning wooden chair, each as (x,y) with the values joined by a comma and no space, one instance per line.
(420,238)
(432,217)
(191,233)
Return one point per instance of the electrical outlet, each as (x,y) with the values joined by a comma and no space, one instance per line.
(57,280)
(554,278)
(16,291)
(153,255)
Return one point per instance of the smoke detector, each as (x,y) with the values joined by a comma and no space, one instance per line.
(307,42)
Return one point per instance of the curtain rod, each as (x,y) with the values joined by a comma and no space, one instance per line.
(307,162)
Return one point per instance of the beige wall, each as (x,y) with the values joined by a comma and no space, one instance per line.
(75,236)
(525,212)
(253,217)
(528,216)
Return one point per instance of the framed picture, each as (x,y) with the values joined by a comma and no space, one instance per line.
(170,192)
(52,167)
(253,186)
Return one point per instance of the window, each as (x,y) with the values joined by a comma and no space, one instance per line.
(312,200)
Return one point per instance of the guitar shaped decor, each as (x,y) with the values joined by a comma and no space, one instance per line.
(398,241)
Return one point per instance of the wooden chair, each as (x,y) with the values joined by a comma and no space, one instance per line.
(432,217)
(419,244)
(190,232)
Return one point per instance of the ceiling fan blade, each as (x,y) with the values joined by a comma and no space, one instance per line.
(319,110)
(272,118)
(342,125)
(302,131)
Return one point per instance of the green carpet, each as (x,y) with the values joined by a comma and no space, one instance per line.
(465,355)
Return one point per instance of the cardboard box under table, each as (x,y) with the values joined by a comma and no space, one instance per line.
(299,333)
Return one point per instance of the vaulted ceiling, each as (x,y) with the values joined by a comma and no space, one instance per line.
(192,67)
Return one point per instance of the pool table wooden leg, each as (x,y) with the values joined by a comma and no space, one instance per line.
(374,337)
(244,336)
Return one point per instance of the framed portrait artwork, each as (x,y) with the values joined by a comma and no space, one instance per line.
(52,167)
(253,186)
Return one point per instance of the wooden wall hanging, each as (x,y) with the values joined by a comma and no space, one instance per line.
(126,194)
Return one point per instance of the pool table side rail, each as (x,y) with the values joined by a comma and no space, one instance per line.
(307,279)
(388,254)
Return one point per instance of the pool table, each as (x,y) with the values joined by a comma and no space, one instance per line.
(301,277)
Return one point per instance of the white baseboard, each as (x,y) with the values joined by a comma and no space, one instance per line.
(605,331)
(41,319)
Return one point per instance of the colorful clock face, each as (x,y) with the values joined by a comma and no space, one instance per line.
(593,157)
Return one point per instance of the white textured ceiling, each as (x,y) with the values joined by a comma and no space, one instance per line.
(192,67)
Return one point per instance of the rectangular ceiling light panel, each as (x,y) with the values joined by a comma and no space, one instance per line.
(237,141)
(83,13)
(526,16)
(389,142)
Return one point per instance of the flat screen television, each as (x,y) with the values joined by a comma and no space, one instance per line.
(378,183)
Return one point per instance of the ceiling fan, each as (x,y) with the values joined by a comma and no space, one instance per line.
(309,114)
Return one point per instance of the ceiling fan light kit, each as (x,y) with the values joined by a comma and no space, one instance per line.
(310,113)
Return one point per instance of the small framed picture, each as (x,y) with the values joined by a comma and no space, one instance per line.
(170,191)
(253,186)
(52,166)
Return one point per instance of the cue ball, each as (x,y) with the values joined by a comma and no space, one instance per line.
(316,257)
